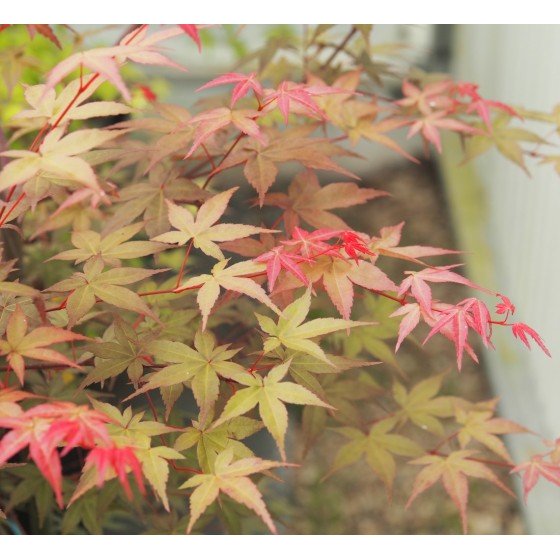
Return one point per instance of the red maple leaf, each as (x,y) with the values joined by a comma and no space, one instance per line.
(120,459)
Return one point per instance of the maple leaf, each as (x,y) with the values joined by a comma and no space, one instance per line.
(521,330)
(243,83)
(278,259)
(208,123)
(429,126)
(290,96)
(128,429)
(47,107)
(507,139)
(93,283)
(306,200)
(388,244)
(201,367)
(480,105)
(481,426)
(231,478)
(20,344)
(453,471)
(150,200)
(135,46)
(203,229)
(412,314)
(192,31)
(269,393)
(417,284)
(229,278)
(421,406)
(57,157)
(45,30)
(536,467)
(455,321)
(291,331)
(293,145)
(378,447)
(109,248)
(505,307)
(125,351)
(119,460)
(433,96)
(9,397)
(155,468)
(211,440)
(43,428)
(339,277)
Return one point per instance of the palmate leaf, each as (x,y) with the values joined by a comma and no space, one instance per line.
(149,200)
(306,200)
(377,447)
(203,230)
(453,471)
(124,351)
(155,468)
(269,393)
(291,331)
(211,440)
(339,276)
(93,283)
(57,157)
(201,367)
(421,406)
(231,478)
(295,144)
(47,107)
(20,344)
(136,46)
(109,248)
(232,278)
(482,427)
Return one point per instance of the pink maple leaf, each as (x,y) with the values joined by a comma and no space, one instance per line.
(521,330)
(505,306)
(276,260)
(534,469)
(243,83)
(290,96)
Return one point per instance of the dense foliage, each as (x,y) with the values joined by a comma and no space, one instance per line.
(156,316)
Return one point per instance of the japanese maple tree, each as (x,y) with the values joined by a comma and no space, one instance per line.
(157,314)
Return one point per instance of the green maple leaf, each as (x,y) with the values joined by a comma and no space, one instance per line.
(210,441)
(125,351)
(232,479)
(201,367)
(378,447)
(109,248)
(421,406)
(93,283)
(155,468)
(291,331)
(269,393)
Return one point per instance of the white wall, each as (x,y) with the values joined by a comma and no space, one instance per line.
(519,65)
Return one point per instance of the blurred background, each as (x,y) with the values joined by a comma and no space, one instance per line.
(505,220)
